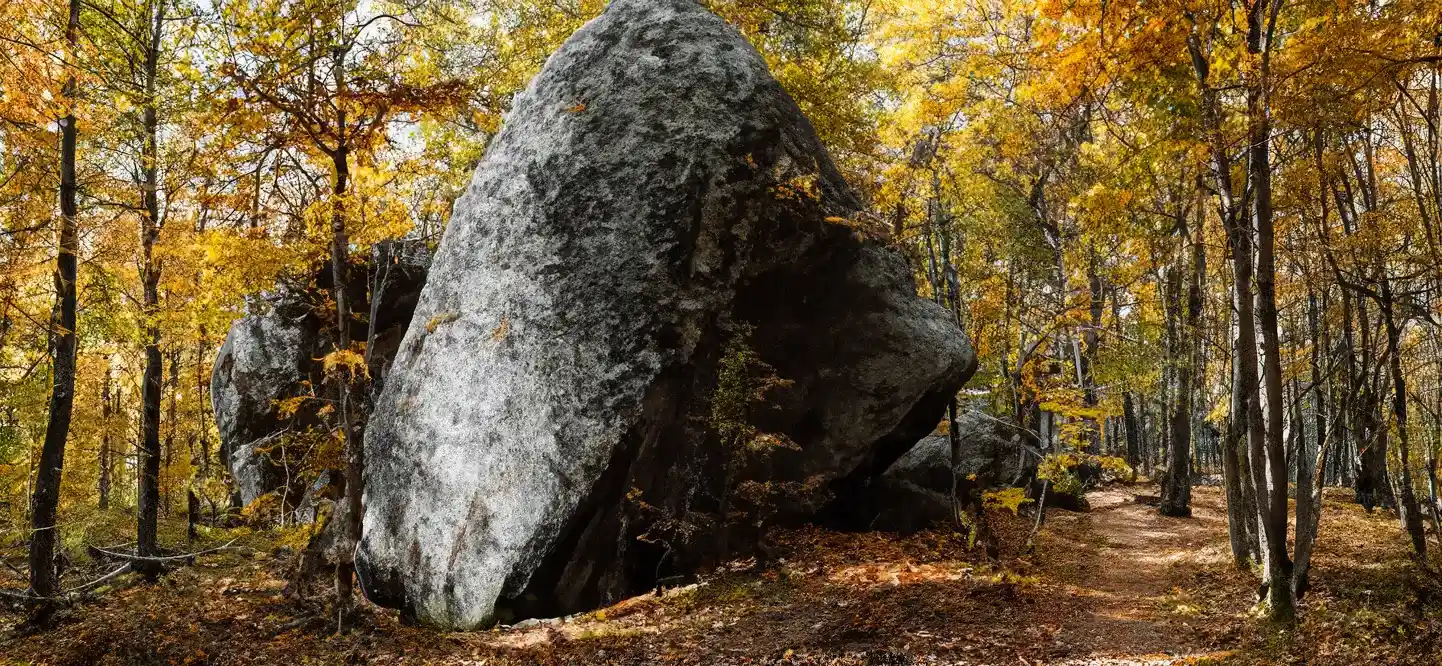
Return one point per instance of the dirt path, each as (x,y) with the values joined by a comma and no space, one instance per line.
(1133,567)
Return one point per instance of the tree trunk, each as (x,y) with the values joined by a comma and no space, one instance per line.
(149,491)
(1132,434)
(202,382)
(1354,406)
(192,515)
(1433,507)
(1432,504)
(168,444)
(1241,530)
(1177,491)
(354,452)
(1280,601)
(1246,413)
(1311,469)
(44,579)
(1411,514)
(103,485)
(1088,357)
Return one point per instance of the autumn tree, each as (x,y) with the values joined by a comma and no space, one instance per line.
(44,582)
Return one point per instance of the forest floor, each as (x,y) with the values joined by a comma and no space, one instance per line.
(1116,585)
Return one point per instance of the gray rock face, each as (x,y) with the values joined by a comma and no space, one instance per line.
(270,352)
(265,357)
(988,448)
(915,492)
(653,194)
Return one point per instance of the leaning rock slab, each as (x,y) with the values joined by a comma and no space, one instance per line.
(915,492)
(547,425)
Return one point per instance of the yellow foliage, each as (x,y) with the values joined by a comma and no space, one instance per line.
(285,408)
(1010,499)
(349,361)
(801,187)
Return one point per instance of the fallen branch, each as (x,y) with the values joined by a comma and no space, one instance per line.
(159,559)
(81,588)
(301,622)
(131,560)
(69,594)
(106,553)
(1040,515)
(17,570)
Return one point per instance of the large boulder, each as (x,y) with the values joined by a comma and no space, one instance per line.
(272,354)
(655,213)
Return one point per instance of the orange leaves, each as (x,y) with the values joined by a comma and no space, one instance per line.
(441,319)
(798,188)
(349,363)
(501,331)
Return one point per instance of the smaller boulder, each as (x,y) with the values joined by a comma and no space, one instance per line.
(327,488)
(915,491)
(273,354)
(254,469)
(265,358)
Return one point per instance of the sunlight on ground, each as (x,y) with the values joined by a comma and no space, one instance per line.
(900,573)
(1150,660)
(1116,586)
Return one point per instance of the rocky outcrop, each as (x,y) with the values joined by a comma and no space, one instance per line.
(915,491)
(655,217)
(272,353)
(266,357)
